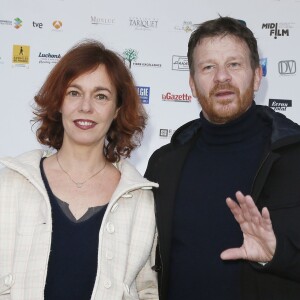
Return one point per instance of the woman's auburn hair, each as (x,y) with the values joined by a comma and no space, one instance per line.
(126,130)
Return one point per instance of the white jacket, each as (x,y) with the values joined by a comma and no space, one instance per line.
(126,238)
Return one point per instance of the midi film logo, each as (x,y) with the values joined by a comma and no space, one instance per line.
(278,29)
(280,104)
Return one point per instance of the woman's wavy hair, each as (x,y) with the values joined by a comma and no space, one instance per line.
(126,130)
(219,27)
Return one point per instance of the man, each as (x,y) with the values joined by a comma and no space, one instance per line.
(251,250)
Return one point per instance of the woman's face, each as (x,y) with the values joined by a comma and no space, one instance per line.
(88,109)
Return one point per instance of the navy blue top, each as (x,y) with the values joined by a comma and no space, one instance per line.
(72,265)
(224,160)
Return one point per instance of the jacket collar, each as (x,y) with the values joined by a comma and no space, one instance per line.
(28,165)
(284,130)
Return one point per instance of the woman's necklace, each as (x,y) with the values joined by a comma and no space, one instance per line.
(79,184)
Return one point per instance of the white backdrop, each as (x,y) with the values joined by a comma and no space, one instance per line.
(35,33)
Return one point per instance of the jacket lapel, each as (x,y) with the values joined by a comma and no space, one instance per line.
(168,176)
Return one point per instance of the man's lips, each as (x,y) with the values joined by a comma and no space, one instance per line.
(223,93)
(84,124)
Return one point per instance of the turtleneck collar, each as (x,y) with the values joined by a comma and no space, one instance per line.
(236,131)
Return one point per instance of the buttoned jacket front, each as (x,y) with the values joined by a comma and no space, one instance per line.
(126,237)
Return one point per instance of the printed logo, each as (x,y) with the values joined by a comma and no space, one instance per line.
(38,25)
(5,22)
(57,24)
(176,97)
(280,104)
(102,21)
(130,56)
(166,133)
(21,55)
(18,23)
(48,58)
(180,63)
(278,29)
(263,63)
(144,93)
(287,67)
(143,23)
(187,26)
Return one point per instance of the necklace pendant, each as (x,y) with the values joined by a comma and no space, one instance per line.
(79,184)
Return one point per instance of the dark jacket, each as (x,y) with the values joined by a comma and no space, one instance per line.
(276,186)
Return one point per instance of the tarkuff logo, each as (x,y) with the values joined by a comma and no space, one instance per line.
(278,29)
(143,23)
(144,93)
(280,104)
(263,62)
(166,133)
(287,67)
(57,24)
(18,23)
(102,21)
(180,63)
(48,58)
(176,97)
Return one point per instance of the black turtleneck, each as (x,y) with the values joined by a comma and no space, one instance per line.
(224,160)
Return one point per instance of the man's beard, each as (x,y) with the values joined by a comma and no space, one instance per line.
(243,102)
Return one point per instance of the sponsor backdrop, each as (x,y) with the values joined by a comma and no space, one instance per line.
(152,37)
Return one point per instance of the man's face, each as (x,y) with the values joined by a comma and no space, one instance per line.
(224,81)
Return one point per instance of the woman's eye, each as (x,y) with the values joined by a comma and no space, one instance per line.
(73,93)
(101,97)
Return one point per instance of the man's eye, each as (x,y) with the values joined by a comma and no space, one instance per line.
(208,68)
(234,64)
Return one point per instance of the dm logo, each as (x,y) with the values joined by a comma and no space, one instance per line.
(287,67)
(130,55)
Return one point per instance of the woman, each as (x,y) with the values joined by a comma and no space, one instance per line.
(79,224)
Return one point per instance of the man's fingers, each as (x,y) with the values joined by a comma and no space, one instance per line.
(233,253)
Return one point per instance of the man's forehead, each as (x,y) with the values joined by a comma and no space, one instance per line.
(219,38)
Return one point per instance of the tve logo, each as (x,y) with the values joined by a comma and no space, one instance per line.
(39,25)
(287,67)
